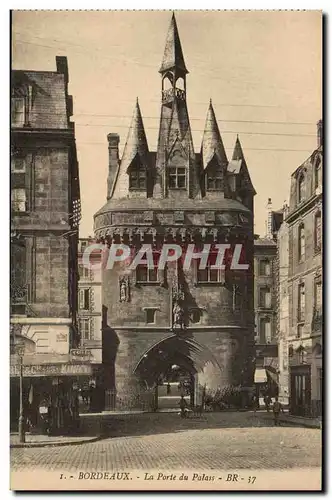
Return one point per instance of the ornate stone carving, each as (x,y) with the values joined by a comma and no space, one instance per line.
(124,289)
(179,216)
(210,217)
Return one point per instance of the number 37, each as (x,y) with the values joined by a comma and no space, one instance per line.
(251,479)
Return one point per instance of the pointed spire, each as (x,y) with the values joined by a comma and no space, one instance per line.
(212,143)
(238,153)
(173,56)
(136,140)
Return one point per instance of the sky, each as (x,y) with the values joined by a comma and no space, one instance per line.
(262,70)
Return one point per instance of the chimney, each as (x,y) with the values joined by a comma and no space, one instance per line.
(320,133)
(113,161)
(269,218)
(62,66)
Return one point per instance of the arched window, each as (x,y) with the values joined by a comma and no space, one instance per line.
(318,173)
(301,243)
(301,188)
(318,231)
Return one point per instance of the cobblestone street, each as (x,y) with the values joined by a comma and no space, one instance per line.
(216,441)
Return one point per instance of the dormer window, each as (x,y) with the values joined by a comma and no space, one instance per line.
(214,179)
(18,111)
(318,173)
(177,178)
(137,178)
(21,103)
(301,188)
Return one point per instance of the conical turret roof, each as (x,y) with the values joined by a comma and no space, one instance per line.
(212,143)
(173,56)
(136,140)
(136,148)
(238,152)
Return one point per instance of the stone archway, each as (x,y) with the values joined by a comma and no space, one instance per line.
(191,356)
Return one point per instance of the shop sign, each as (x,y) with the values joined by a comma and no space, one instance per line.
(45,370)
(80,354)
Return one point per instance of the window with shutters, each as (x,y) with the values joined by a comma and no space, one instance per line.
(318,231)
(84,301)
(301,243)
(318,296)
(265,331)
(265,267)
(85,329)
(301,303)
(265,297)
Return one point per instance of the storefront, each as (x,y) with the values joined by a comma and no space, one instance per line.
(50,394)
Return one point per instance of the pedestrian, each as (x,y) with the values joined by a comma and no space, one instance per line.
(168,388)
(277,408)
(183,407)
(267,401)
(255,404)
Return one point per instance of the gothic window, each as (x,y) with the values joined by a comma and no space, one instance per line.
(301,303)
(265,267)
(265,297)
(84,299)
(318,231)
(208,275)
(301,188)
(301,243)
(214,179)
(318,173)
(177,177)
(137,178)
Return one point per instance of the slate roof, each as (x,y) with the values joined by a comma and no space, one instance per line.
(212,143)
(49,106)
(173,55)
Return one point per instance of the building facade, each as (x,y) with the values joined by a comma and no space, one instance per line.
(265,303)
(45,213)
(89,319)
(305,245)
(199,319)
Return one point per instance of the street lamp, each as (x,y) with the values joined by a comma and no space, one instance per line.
(19,350)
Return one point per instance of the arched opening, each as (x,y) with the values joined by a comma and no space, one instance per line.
(180,84)
(168,81)
(172,367)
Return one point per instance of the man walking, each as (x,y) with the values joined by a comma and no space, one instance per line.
(277,408)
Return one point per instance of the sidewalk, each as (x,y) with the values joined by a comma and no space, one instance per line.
(313,423)
(39,441)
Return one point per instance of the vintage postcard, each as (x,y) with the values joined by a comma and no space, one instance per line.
(166,250)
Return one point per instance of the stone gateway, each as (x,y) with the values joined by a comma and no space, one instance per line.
(199,321)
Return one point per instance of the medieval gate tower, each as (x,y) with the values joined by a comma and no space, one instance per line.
(199,319)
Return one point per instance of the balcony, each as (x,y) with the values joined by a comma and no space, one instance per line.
(170,94)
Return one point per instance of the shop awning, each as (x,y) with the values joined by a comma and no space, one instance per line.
(260,376)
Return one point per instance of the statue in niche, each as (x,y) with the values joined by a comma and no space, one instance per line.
(178,309)
(124,289)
